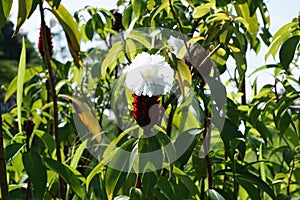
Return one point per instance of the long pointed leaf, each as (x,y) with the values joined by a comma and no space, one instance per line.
(23,13)
(5,7)
(21,73)
(67,174)
(36,171)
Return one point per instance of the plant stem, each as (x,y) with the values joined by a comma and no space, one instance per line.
(180,27)
(290,177)
(47,59)
(206,146)
(202,188)
(3,180)
(243,90)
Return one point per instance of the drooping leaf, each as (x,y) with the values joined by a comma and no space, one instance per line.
(21,75)
(185,144)
(214,195)
(136,194)
(184,77)
(116,176)
(36,171)
(86,117)
(280,37)
(127,17)
(23,13)
(11,150)
(150,157)
(149,180)
(35,3)
(111,58)
(287,51)
(251,179)
(288,156)
(12,87)
(5,7)
(78,153)
(71,176)
(139,37)
(137,7)
(202,10)
(47,139)
(70,28)
(243,10)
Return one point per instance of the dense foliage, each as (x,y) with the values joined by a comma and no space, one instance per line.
(71,134)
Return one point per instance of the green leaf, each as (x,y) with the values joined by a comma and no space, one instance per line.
(35,3)
(252,191)
(253,5)
(11,150)
(21,75)
(36,171)
(5,7)
(244,12)
(127,17)
(288,156)
(89,31)
(185,144)
(23,13)
(47,139)
(111,58)
(12,87)
(150,154)
(85,116)
(149,180)
(230,134)
(251,179)
(140,37)
(263,67)
(137,6)
(157,11)
(114,178)
(186,180)
(243,21)
(166,187)
(56,3)
(108,155)
(71,176)
(218,17)
(199,166)
(214,195)
(136,194)
(202,10)
(287,51)
(70,28)
(78,153)
(184,77)
(122,197)
(280,37)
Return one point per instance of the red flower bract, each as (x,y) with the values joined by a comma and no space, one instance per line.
(142,105)
(49,41)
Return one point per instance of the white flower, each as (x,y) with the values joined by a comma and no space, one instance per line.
(176,44)
(149,75)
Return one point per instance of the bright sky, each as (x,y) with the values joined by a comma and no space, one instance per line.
(281,12)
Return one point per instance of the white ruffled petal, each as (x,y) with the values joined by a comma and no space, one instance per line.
(149,75)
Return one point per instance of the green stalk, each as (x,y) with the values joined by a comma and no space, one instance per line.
(3,180)
(47,59)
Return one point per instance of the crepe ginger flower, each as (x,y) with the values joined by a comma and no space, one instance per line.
(148,77)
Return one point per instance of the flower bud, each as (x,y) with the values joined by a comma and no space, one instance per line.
(145,109)
(49,41)
(28,127)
